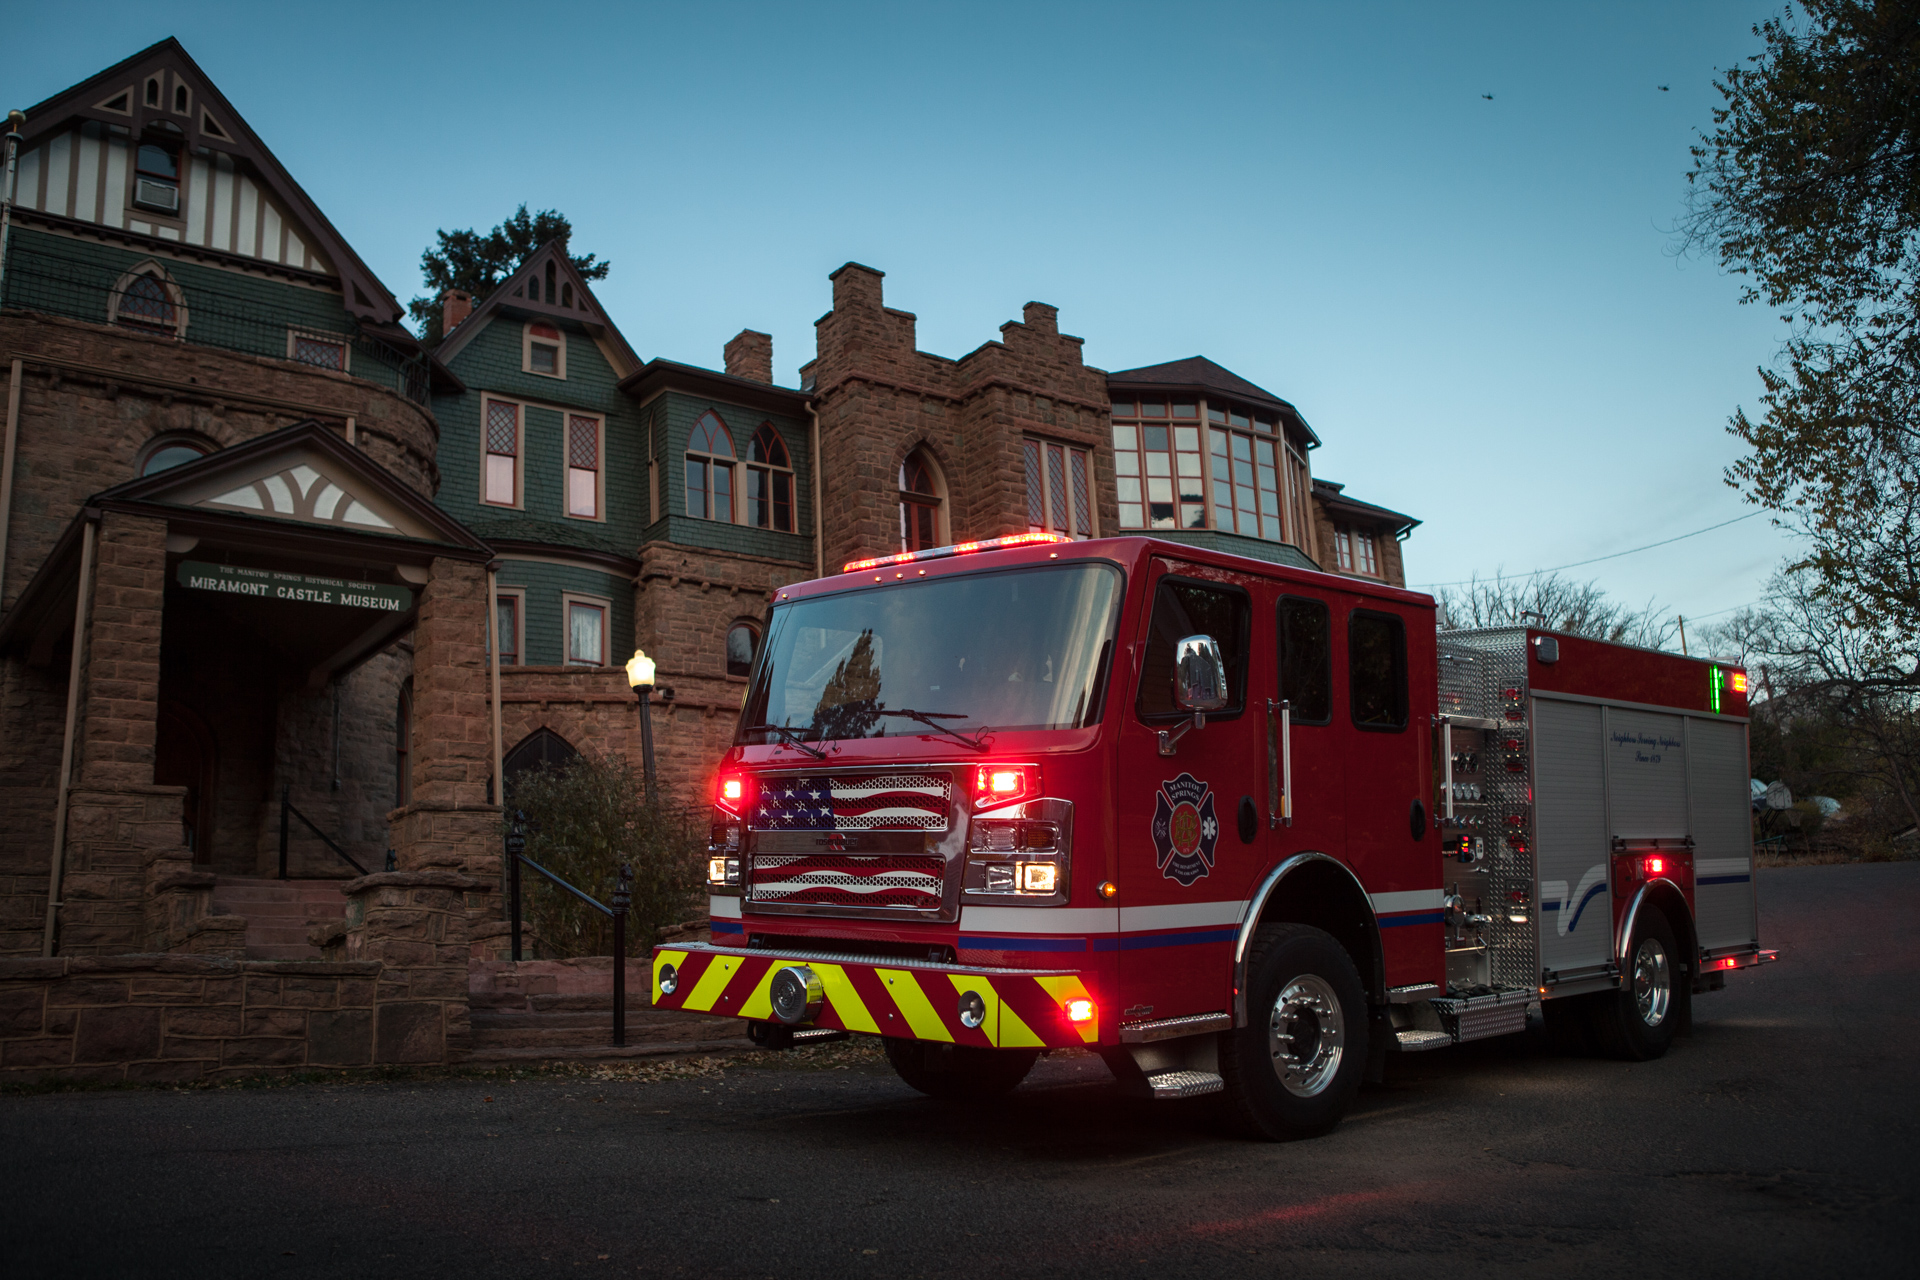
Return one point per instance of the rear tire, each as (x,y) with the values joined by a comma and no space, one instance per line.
(1294,1069)
(1638,1022)
(959,1071)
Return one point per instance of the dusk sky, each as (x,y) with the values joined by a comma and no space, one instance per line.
(1475,301)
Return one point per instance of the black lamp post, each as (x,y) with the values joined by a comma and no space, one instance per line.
(516,846)
(640,675)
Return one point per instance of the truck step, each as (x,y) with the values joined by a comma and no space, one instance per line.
(1419,1041)
(1184,1084)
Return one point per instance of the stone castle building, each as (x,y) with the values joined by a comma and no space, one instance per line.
(274,575)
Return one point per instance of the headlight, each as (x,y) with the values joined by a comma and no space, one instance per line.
(1039,877)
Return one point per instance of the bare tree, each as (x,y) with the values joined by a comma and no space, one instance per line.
(1817,669)
(1558,604)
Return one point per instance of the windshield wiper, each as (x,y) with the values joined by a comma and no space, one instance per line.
(932,720)
(789,737)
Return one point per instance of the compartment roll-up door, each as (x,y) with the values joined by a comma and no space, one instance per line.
(1722,833)
(1570,825)
(1646,775)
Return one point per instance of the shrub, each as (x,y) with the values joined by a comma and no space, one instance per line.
(584,819)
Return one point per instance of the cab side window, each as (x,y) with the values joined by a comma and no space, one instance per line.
(1377,670)
(1183,607)
(1306,658)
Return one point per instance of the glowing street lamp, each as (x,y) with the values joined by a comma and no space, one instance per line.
(640,671)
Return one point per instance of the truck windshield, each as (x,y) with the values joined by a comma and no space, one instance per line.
(1023,649)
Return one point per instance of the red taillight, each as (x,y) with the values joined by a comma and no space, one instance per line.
(1728,963)
(1656,866)
(998,784)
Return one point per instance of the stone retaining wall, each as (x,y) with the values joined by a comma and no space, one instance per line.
(179,1017)
(400,996)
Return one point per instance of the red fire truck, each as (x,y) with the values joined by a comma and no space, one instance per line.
(1236,826)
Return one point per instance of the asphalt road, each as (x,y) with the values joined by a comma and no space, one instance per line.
(1777,1140)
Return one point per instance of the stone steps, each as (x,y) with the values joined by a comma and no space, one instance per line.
(278,912)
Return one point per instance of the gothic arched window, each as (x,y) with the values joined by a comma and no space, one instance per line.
(769,481)
(145,299)
(920,502)
(710,459)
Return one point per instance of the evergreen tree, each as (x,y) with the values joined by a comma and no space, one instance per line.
(476,263)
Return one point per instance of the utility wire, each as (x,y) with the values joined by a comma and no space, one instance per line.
(1597,559)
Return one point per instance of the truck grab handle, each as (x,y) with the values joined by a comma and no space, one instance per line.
(1279,763)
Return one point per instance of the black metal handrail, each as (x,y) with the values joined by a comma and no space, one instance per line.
(516,841)
(286,807)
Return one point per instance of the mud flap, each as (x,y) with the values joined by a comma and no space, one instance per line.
(1380,1033)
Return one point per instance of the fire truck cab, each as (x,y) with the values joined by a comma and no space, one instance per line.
(1240,828)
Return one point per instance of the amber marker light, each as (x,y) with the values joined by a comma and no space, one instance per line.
(1080,1010)
(1737,681)
(1108,888)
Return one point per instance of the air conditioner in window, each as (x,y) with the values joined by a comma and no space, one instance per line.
(157,195)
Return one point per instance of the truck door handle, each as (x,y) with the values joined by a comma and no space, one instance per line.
(1279,763)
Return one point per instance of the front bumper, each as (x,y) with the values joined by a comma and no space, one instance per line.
(911,999)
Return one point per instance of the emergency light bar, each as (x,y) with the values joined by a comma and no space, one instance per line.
(957,549)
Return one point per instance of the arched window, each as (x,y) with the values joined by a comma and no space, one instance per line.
(710,459)
(170,451)
(743,641)
(541,749)
(147,300)
(769,481)
(919,503)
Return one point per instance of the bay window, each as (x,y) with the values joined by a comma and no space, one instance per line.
(1184,463)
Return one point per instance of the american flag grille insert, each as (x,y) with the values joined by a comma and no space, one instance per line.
(853,802)
(847,880)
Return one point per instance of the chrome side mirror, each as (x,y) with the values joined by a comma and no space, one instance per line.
(1199,685)
(1199,675)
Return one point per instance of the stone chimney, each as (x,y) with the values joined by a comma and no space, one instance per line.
(750,355)
(455,305)
(1042,317)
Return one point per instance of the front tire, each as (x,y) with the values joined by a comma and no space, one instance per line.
(959,1071)
(1294,1069)
(1638,1022)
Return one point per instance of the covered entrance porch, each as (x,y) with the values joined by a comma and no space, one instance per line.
(276,630)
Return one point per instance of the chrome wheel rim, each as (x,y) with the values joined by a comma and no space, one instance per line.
(1306,1036)
(1652,982)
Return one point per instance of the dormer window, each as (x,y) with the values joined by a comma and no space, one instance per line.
(157,176)
(544,351)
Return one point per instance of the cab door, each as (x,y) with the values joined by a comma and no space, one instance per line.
(1384,721)
(1192,825)
(1306,751)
